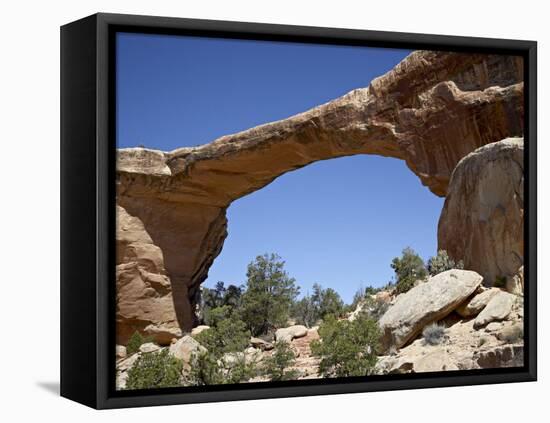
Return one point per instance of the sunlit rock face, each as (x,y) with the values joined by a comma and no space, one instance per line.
(431,110)
(482,219)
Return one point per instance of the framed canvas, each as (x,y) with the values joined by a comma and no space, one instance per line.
(211,251)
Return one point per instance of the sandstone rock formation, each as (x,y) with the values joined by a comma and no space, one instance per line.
(425,303)
(431,110)
(464,348)
(498,308)
(185,347)
(290,333)
(261,344)
(515,283)
(477,303)
(144,300)
(199,329)
(499,357)
(149,347)
(482,219)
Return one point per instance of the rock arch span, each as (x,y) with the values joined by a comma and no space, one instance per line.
(431,110)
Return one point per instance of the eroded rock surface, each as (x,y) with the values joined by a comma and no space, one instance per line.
(477,303)
(425,303)
(498,308)
(431,110)
(482,220)
(144,300)
(464,348)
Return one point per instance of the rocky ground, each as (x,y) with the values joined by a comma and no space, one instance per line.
(483,328)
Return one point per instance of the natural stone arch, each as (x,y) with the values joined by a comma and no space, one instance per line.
(431,110)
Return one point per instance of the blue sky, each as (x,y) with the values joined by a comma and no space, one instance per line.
(337,222)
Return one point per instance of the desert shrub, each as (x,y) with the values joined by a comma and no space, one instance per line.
(155,370)
(347,348)
(210,369)
(212,316)
(136,341)
(227,335)
(408,269)
(269,295)
(442,262)
(433,334)
(204,369)
(238,369)
(275,367)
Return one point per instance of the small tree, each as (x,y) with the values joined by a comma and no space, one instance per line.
(408,269)
(155,370)
(204,369)
(224,361)
(347,348)
(269,295)
(227,335)
(312,308)
(326,301)
(136,341)
(212,316)
(275,367)
(442,262)
(210,369)
(218,297)
(304,312)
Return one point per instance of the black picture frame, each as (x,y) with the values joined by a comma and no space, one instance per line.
(87,209)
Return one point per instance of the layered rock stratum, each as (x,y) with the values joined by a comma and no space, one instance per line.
(431,110)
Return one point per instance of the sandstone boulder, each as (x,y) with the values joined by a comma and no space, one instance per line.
(498,308)
(199,329)
(288,334)
(120,351)
(148,347)
(163,334)
(473,306)
(482,220)
(424,304)
(185,347)
(464,348)
(261,344)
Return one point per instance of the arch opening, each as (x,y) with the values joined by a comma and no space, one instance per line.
(336,222)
